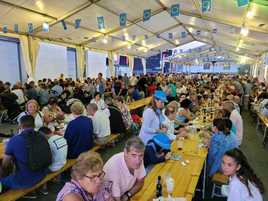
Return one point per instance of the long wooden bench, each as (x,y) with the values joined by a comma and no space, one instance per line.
(111,139)
(13,195)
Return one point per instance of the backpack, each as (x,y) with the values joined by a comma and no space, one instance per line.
(38,152)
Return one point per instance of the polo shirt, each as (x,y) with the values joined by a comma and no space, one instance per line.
(116,170)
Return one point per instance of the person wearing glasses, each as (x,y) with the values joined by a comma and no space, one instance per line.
(87,181)
(153,117)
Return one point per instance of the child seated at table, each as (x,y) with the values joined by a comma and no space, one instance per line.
(157,150)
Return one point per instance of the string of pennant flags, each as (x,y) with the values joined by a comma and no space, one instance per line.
(174,10)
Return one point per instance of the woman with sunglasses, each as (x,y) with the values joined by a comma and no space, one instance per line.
(153,117)
(244,185)
(87,182)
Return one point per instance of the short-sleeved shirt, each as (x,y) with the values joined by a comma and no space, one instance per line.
(104,193)
(101,124)
(79,136)
(59,148)
(116,170)
(23,177)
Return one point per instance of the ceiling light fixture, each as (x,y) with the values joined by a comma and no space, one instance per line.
(105,40)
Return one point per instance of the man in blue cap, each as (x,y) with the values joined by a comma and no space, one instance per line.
(157,150)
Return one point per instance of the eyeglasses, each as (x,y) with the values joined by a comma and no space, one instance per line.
(93,178)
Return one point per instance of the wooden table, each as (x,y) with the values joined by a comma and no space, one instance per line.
(139,103)
(185,177)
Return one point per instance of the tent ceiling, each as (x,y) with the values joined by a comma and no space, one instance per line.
(225,16)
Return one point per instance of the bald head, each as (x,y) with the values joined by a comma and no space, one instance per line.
(228,105)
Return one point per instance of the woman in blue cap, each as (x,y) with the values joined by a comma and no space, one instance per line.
(157,150)
(153,117)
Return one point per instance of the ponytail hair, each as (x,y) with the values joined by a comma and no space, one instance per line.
(245,174)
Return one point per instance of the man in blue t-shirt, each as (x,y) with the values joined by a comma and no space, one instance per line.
(16,150)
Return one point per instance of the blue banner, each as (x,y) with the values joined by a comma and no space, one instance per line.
(100,21)
(64,24)
(175,10)
(241,3)
(77,23)
(30,27)
(146,15)
(206,6)
(16,28)
(123,19)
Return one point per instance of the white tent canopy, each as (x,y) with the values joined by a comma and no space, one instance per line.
(145,38)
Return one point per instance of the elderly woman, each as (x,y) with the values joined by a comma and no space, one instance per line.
(79,132)
(33,109)
(87,182)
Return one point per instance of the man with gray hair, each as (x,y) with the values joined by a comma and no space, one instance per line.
(101,123)
(126,170)
(236,119)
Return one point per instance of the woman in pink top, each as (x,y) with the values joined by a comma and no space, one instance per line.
(87,182)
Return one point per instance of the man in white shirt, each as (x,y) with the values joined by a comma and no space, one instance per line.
(236,119)
(101,122)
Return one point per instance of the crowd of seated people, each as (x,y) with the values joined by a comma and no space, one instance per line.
(95,108)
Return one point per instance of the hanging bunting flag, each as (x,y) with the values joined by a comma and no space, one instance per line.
(206,6)
(175,10)
(198,32)
(170,36)
(183,34)
(16,28)
(123,19)
(30,28)
(241,3)
(146,15)
(100,21)
(214,30)
(64,24)
(5,29)
(77,23)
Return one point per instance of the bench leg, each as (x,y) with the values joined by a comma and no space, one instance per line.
(258,123)
(264,136)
